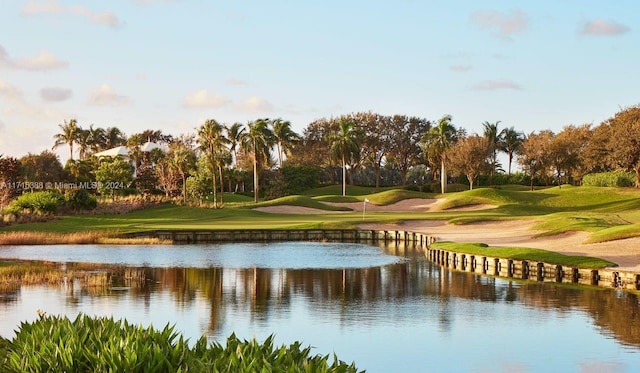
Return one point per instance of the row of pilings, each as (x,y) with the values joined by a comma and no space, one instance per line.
(533,270)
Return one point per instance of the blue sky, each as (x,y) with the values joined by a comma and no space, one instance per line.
(171,65)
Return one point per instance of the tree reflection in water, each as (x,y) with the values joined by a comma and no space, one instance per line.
(352,293)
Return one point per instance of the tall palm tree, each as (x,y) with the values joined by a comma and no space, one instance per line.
(285,137)
(345,146)
(114,137)
(213,145)
(97,138)
(511,142)
(84,143)
(494,139)
(69,135)
(182,160)
(257,141)
(234,135)
(437,141)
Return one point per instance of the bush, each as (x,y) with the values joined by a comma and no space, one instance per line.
(45,202)
(80,199)
(610,179)
(101,344)
(300,178)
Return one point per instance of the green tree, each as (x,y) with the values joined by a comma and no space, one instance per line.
(213,146)
(258,141)
(97,139)
(113,138)
(494,138)
(436,142)
(404,135)
(534,154)
(234,134)
(68,135)
(10,177)
(624,143)
(285,138)
(43,168)
(469,156)
(182,160)
(345,146)
(113,175)
(511,141)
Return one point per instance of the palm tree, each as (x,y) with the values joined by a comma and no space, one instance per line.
(494,139)
(345,146)
(511,142)
(69,135)
(234,135)
(213,145)
(285,137)
(114,137)
(257,141)
(97,138)
(182,160)
(437,141)
(84,142)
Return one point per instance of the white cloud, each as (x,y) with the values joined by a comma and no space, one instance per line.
(460,68)
(55,94)
(202,99)
(99,18)
(106,95)
(44,7)
(41,62)
(492,85)
(235,82)
(52,7)
(504,25)
(256,105)
(19,106)
(601,27)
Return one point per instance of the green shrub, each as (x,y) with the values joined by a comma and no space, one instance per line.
(101,344)
(610,179)
(44,202)
(80,199)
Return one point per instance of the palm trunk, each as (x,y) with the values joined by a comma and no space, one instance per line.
(344,177)
(221,187)
(255,176)
(215,187)
(443,177)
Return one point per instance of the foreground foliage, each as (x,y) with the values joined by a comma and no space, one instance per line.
(100,344)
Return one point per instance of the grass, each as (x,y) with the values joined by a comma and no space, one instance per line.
(303,201)
(522,253)
(74,238)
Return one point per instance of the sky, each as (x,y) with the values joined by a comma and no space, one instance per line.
(171,65)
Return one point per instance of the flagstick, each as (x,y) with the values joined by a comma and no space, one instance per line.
(364,208)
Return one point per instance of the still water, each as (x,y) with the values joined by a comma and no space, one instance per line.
(388,310)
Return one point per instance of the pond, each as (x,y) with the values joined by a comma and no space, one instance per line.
(387,309)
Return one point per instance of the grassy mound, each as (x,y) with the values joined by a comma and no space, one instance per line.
(302,201)
(522,253)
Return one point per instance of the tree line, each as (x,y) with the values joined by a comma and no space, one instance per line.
(363,148)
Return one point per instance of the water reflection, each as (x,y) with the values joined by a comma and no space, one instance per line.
(412,303)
